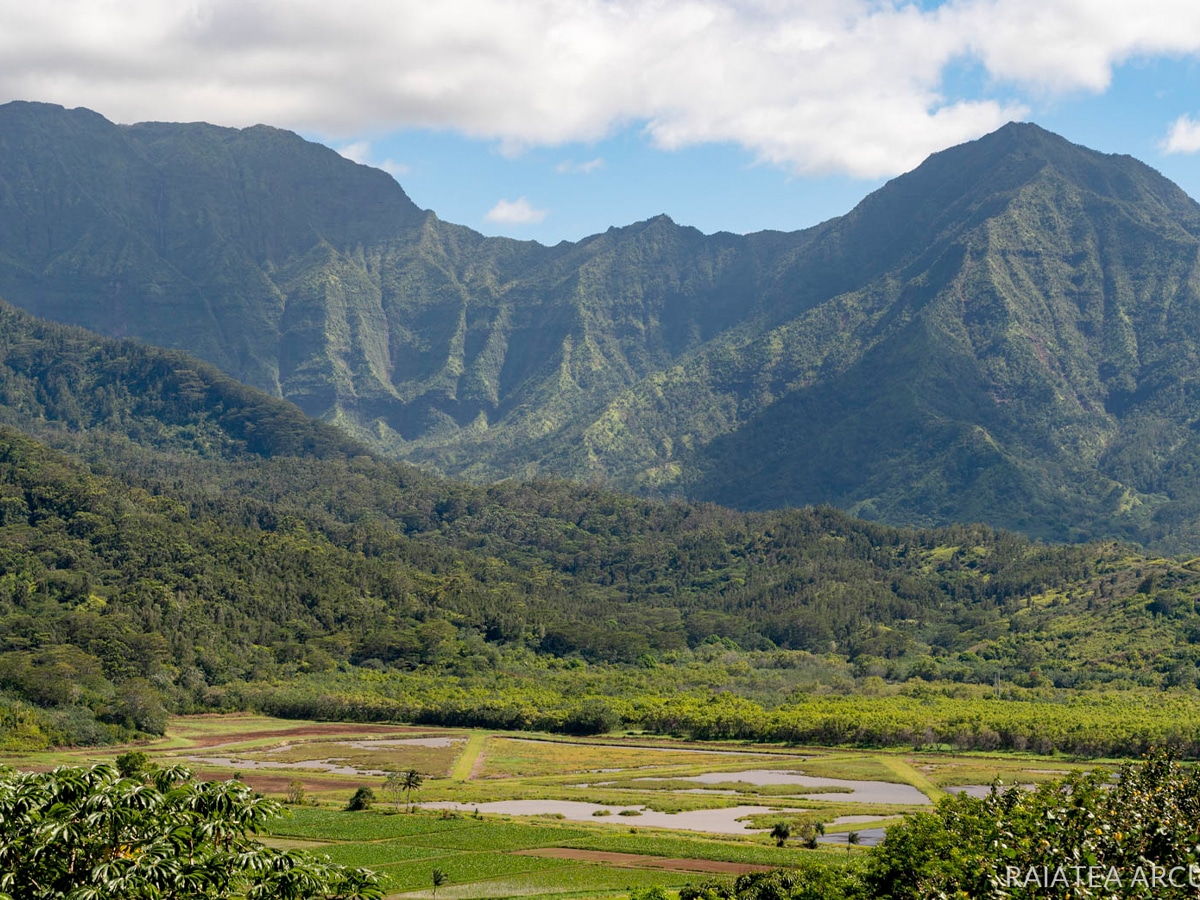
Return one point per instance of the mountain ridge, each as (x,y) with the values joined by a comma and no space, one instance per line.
(1001,334)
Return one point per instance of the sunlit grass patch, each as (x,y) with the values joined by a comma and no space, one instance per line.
(498,836)
(513,757)
(337,825)
(692,848)
(380,853)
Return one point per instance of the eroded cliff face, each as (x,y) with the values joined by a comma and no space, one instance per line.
(1007,333)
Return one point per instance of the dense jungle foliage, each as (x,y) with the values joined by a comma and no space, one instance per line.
(173,555)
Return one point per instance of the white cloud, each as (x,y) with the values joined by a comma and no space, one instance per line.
(570,167)
(393,168)
(852,86)
(360,152)
(515,212)
(1184,136)
(357,152)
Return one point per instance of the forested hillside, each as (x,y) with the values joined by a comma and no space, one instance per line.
(1007,334)
(192,538)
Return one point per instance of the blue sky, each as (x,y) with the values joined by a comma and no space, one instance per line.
(723,187)
(554,119)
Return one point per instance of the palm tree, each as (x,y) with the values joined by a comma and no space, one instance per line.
(781,832)
(439,878)
(412,782)
(851,838)
(817,831)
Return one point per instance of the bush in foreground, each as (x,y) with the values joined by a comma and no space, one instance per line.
(87,834)
(1084,836)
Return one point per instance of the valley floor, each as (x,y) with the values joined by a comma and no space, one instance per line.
(517,814)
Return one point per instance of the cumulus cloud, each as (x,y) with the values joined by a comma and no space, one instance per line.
(357,152)
(1183,137)
(515,212)
(570,167)
(393,168)
(360,152)
(852,86)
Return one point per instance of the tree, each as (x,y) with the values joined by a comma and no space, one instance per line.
(295,792)
(852,838)
(1012,844)
(438,878)
(393,788)
(412,782)
(809,832)
(133,764)
(141,705)
(781,832)
(90,834)
(362,799)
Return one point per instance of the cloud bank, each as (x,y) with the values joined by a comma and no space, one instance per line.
(852,86)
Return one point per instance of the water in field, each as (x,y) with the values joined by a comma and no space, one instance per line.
(711,821)
(868,837)
(840,789)
(332,766)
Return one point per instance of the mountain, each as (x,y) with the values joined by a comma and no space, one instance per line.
(1007,333)
(1028,360)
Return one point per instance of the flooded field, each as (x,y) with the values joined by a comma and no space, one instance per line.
(841,789)
(529,815)
(726,820)
(332,766)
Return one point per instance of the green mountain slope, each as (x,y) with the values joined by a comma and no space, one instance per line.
(65,381)
(1038,373)
(1006,334)
(304,274)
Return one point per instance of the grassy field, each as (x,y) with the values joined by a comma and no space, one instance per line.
(503,855)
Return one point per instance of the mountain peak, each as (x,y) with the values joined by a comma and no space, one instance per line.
(1019,152)
(963,185)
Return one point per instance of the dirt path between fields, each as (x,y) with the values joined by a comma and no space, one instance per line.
(639,861)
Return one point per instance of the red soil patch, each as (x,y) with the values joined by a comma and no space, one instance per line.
(276,784)
(331,729)
(638,861)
